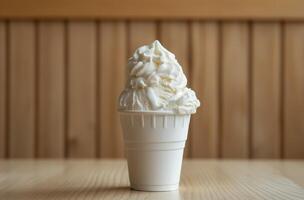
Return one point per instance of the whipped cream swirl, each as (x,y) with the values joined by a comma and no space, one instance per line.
(156,82)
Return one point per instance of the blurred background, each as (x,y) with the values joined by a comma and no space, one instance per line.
(63,65)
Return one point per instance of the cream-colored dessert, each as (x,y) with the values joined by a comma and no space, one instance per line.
(155,110)
(156,82)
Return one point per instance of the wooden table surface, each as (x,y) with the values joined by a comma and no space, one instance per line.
(108,179)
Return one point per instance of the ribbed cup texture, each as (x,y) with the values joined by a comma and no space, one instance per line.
(144,120)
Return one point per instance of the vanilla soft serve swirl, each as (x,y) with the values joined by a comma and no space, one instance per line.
(156,82)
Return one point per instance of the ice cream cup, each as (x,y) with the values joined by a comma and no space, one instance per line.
(154,145)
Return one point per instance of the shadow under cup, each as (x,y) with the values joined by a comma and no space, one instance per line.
(154,144)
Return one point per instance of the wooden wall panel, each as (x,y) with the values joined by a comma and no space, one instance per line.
(64,78)
(235,90)
(51,85)
(266,85)
(205,82)
(294,91)
(3,80)
(22,89)
(112,72)
(175,37)
(141,33)
(81,89)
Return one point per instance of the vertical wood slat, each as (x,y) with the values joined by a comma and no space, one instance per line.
(294,90)
(141,33)
(51,90)
(266,100)
(205,82)
(3,86)
(235,90)
(112,71)
(81,89)
(175,37)
(22,90)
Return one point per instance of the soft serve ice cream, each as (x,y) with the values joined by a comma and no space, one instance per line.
(156,82)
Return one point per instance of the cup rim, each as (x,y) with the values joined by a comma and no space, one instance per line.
(149,112)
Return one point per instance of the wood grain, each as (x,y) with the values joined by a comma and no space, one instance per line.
(266,99)
(294,90)
(58,95)
(81,89)
(293,171)
(108,179)
(141,33)
(112,72)
(154,9)
(22,89)
(235,90)
(205,82)
(51,90)
(175,37)
(3,86)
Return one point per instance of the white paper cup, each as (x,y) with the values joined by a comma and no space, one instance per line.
(154,144)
